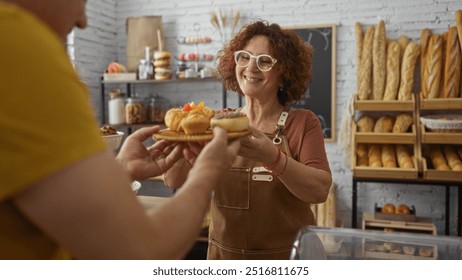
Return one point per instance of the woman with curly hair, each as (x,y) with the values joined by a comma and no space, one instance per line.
(264,199)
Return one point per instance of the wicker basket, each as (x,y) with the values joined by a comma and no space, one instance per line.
(442,123)
(114,141)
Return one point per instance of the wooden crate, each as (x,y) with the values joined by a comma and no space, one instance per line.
(383,105)
(385,138)
(421,225)
(440,103)
(430,137)
(384,172)
(443,175)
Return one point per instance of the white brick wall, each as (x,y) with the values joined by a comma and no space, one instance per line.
(104,41)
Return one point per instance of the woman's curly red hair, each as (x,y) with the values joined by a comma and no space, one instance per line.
(293,55)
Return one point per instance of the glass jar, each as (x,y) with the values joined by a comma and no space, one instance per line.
(134,111)
(156,109)
(116,107)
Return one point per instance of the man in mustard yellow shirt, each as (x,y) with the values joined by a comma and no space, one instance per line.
(62,193)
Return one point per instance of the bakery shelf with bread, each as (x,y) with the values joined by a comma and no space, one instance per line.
(439,137)
(442,162)
(420,225)
(384,105)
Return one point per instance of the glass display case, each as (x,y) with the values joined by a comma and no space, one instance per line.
(315,243)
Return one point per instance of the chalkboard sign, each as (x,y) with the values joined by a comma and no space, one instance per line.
(320,96)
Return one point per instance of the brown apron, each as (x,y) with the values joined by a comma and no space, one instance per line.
(253,215)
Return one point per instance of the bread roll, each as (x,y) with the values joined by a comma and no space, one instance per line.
(424,41)
(433,67)
(393,69)
(173,118)
(438,160)
(452,65)
(375,155)
(379,61)
(404,157)
(411,53)
(365,80)
(388,208)
(384,124)
(362,158)
(425,251)
(403,209)
(195,122)
(365,124)
(388,156)
(359,36)
(402,123)
(452,157)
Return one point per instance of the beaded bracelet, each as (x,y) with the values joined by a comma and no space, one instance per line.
(283,169)
(275,164)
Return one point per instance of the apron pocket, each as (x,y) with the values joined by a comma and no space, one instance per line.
(233,190)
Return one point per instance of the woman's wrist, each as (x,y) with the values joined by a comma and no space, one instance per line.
(272,165)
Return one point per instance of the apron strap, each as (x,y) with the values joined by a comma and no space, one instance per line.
(280,126)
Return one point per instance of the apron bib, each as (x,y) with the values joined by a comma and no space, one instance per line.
(253,215)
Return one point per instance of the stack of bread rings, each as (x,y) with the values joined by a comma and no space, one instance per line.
(162,65)
(195,119)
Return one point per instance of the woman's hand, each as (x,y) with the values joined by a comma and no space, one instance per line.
(258,147)
(141,162)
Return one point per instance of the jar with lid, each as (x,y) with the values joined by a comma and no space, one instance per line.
(116,107)
(134,111)
(157,108)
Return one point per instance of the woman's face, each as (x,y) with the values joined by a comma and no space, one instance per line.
(252,81)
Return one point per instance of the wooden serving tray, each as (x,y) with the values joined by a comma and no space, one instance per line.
(383,105)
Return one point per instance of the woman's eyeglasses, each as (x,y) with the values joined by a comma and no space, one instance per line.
(264,61)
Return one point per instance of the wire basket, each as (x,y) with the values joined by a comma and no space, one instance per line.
(442,123)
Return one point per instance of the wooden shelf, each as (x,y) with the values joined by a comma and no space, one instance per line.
(440,103)
(380,105)
(446,175)
(385,138)
(429,137)
(173,80)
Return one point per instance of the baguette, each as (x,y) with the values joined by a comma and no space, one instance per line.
(444,35)
(459,26)
(365,124)
(388,155)
(452,65)
(407,71)
(375,155)
(384,124)
(393,68)
(452,158)
(359,46)
(403,41)
(379,61)
(438,160)
(403,156)
(365,80)
(361,150)
(402,123)
(433,67)
(424,41)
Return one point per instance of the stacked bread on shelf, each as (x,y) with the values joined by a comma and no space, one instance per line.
(385,68)
(384,155)
(446,157)
(441,62)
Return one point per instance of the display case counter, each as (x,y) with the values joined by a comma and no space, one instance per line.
(315,243)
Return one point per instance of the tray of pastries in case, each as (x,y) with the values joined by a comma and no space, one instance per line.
(379,249)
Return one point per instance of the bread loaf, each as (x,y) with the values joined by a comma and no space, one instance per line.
(452,65)
(459,27)
(393,68)
(424,41)
(402,123)
(365,80)
(404,157)
(359,36)
(433,67)
(362,158)
(403,41)
(365,124)
(407,71)
(438,160)
(379,61)
(375,155)
(384,124)
(452,157)
(388,155)
(444,35)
